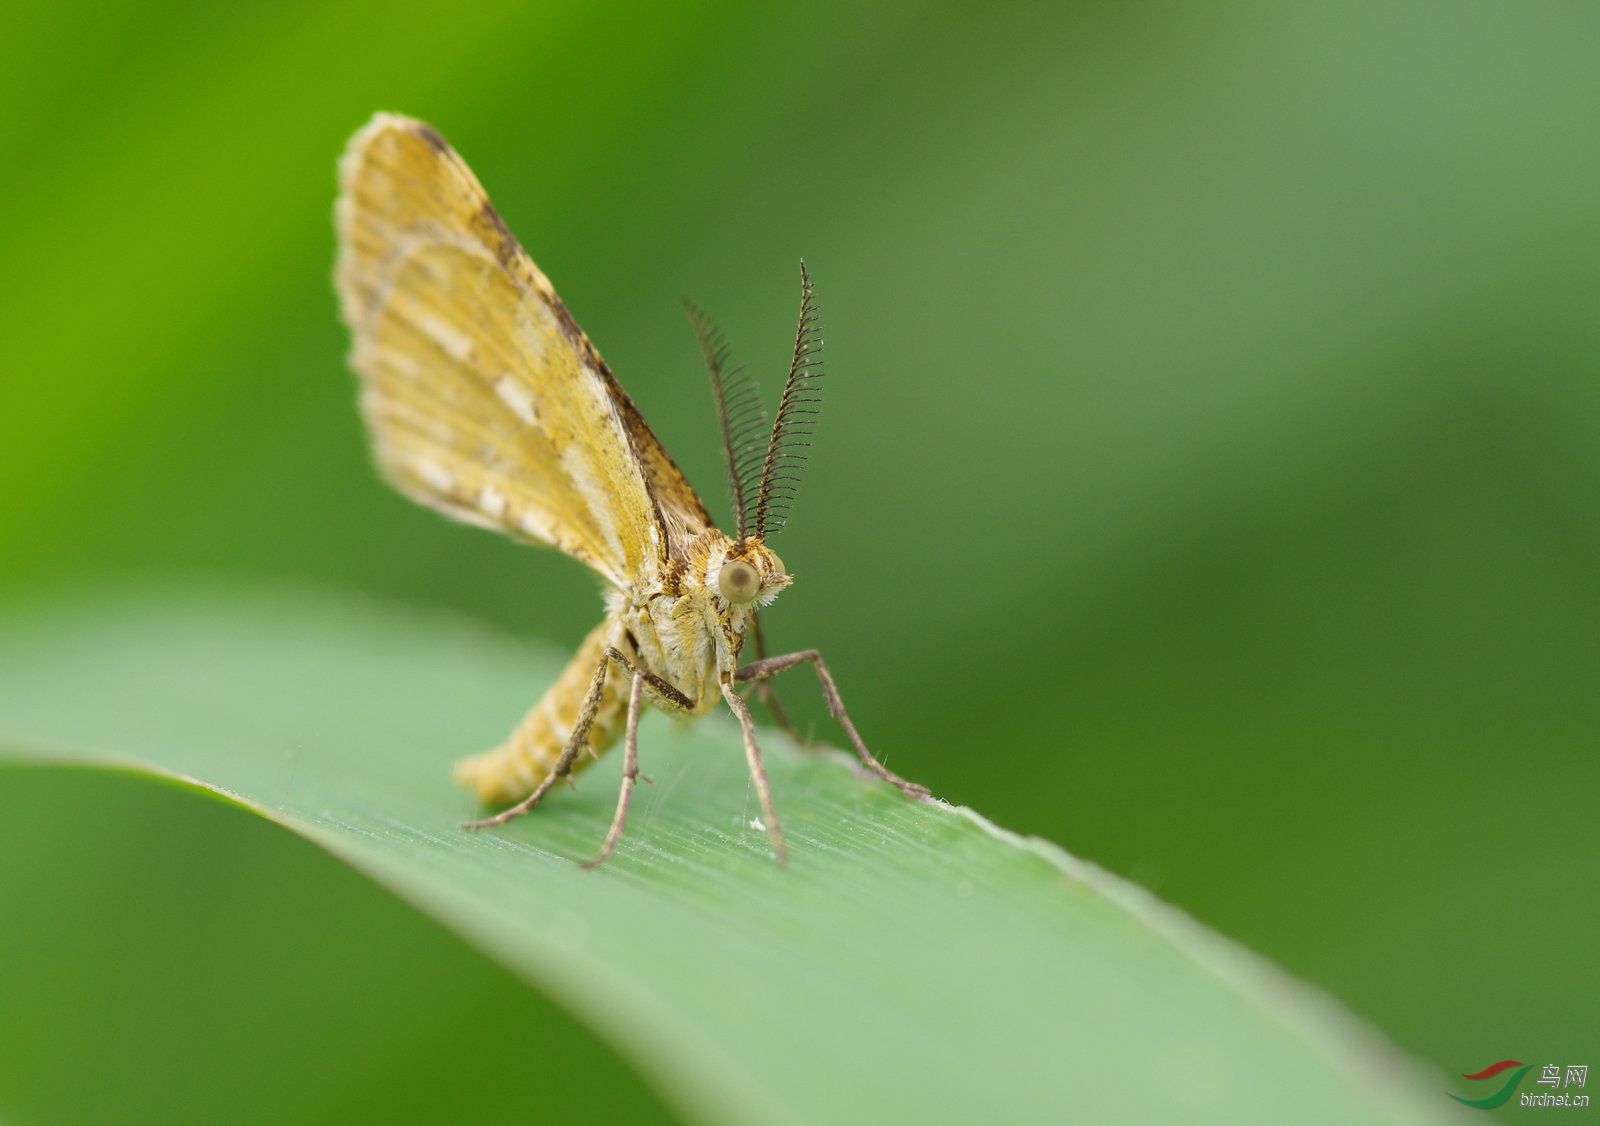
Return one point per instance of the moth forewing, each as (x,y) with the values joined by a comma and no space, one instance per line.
(484,400)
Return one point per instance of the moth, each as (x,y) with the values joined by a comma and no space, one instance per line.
(485,400)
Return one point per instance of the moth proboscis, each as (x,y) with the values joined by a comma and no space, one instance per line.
(485,400)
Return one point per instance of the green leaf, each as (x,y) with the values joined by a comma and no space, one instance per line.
(913,962)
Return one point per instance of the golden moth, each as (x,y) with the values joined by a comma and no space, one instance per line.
(485,400)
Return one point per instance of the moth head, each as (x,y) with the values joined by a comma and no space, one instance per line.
(749,574)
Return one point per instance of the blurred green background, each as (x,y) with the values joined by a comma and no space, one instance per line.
(1210,479)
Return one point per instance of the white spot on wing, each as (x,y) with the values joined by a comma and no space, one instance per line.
(457,345)
(534,324)
(601,504)
(434,475)
(398,362)
(515,396)
(493,502)
(529,522)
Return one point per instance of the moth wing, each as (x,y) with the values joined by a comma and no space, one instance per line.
(681,507)
(482,397)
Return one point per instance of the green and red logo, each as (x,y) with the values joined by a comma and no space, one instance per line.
(1489,1102)
(1553,1076)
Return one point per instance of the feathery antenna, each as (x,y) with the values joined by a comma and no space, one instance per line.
(796,420)
(743,419)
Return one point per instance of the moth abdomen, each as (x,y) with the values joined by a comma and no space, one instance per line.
(515,768)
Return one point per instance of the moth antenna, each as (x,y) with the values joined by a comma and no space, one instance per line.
(741,415)
(796,420)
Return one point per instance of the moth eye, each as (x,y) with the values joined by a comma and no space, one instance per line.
(777,564)
(738,581)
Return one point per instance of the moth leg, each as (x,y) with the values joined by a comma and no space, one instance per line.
(758,771)
(769,694)
(575,743)
(771,666)
(664,689)
(580,733)
(630,771)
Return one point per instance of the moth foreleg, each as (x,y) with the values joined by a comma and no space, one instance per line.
(769,667)
(758,771)
(630,770)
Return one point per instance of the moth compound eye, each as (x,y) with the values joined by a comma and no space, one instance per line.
(738,581)
(777,564)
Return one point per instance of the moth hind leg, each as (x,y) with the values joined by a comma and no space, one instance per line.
(470,770)
(765,668)
(630,772)
(670,697)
